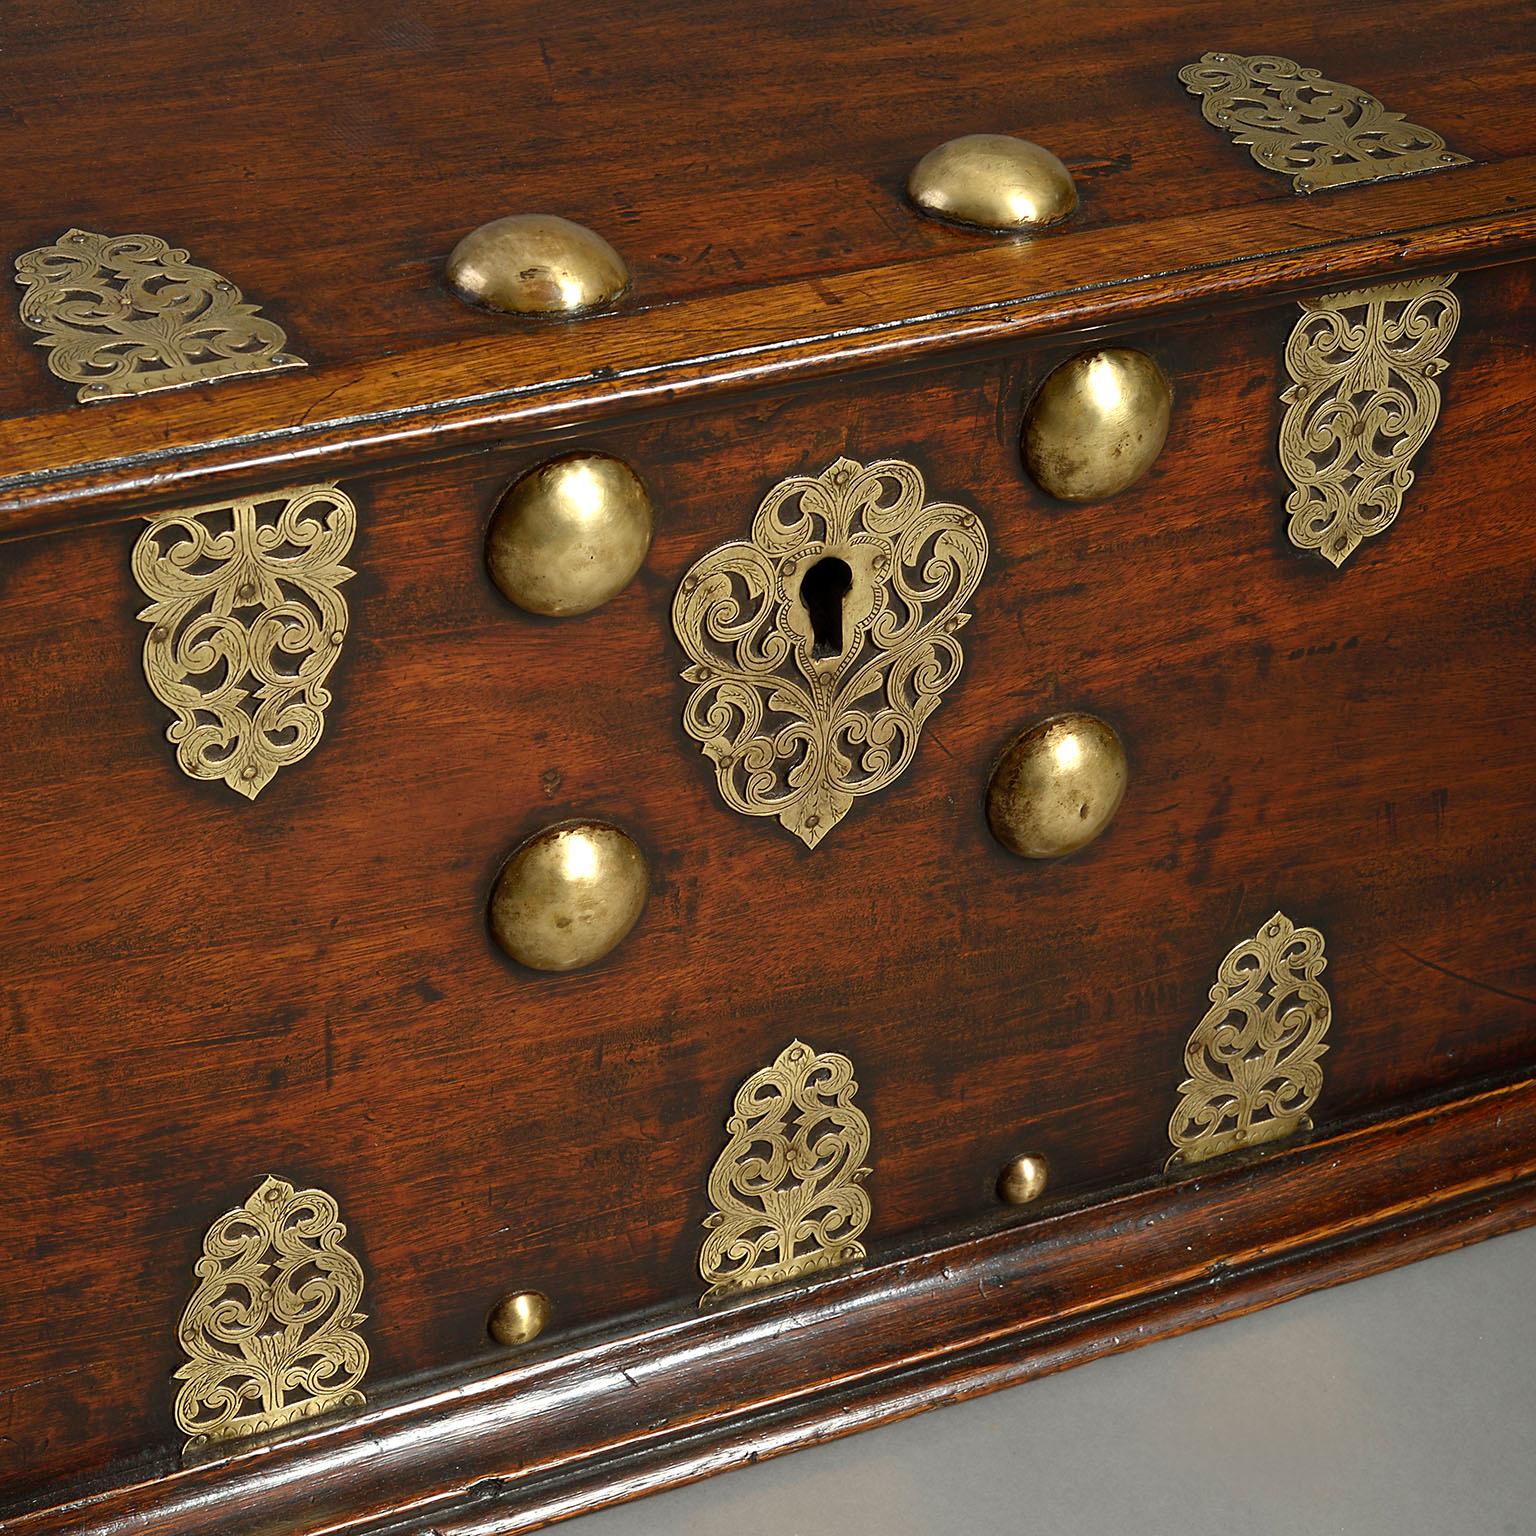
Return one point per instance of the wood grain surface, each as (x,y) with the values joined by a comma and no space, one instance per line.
(199,991)
(196,991)
(328,160)
(675,1397)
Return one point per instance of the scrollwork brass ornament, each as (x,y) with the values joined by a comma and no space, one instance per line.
(245,624)
(1254,1060)
(821,645)
(270,1333)
(130,314)
(1320,133)
(787,1190)
(1362,403)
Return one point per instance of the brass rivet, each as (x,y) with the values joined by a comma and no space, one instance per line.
(1057,786)
(1023,1179)
(1097,424)
(993,181)
(520,1317)
(570,534)
(569,895)
(536,264)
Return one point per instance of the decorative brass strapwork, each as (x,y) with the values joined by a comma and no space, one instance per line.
(1363,401)
(1320,133)
(128,314)
(1254,1059)
(820,646)
(246,623)
(786,1190)
(271,1331)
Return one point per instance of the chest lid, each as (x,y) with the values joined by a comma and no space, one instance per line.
(306,176)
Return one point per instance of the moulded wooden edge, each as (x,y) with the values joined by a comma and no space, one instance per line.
(672,1397)
(67,467)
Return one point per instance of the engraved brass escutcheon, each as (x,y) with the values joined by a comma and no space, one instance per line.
(129,314)
(1362,402)
(821,645)
(270,1333)
(1320,133)
(245,623)
(1254,1060)
(787,1190)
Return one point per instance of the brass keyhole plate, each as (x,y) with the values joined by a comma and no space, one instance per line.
(796,728)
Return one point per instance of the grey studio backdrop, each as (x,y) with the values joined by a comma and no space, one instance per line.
(1399,1405)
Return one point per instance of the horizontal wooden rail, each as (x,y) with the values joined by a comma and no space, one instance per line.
(669,1398)
(79,465)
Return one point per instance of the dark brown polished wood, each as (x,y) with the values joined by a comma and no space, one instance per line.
(678,1397)
(780,247)
(329,160)
(196,990)
(308,981)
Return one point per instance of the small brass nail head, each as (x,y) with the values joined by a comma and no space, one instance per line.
(519,1318)
(1023,1179)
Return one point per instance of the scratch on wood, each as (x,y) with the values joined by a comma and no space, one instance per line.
(1471,981)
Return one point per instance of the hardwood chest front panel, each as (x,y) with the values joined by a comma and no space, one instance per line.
(203,990)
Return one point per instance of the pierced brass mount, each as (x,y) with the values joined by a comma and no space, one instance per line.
(1318,132)
(1361,404)
(129,314)
(1254,1059)
(787,1190)
(821,645)
(245,624)
(270,1333)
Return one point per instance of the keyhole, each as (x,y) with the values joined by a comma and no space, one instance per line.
(822,590)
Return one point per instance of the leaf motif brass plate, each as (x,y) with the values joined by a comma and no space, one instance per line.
(822,644)
(786,1190)
(1254,1059)
(246,623)
(271,1330)
(1362,402)
(1318,132)
(129,314)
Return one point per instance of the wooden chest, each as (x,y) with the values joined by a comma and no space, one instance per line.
(721,721)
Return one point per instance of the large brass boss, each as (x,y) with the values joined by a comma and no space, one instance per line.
(1097,424)
(993,181)
(536,264)
(569,535)
(569,895)
(1057,786)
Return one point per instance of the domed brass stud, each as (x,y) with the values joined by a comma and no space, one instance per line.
(536,264)
(1097,424)
(570,534)
(520,1318)
(1057,786)
(1023,1179)
(993,181)
(569,895)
